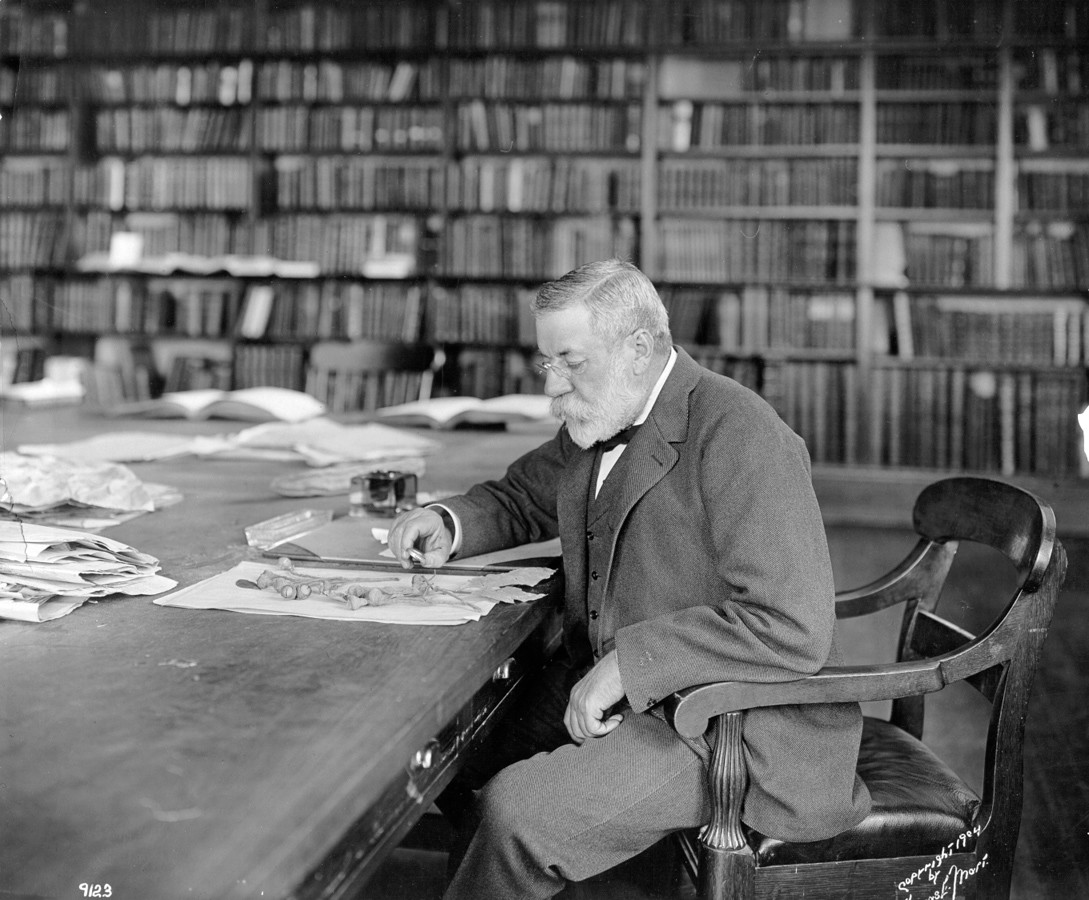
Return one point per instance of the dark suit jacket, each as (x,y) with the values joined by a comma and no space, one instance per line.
(714,567)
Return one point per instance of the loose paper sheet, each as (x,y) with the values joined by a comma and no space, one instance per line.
(222,592)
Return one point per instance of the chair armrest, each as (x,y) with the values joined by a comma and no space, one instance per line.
(919,576)
(690,711)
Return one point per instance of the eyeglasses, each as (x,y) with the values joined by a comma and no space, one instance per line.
(566,370)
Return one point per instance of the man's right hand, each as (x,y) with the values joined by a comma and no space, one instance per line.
(422,530)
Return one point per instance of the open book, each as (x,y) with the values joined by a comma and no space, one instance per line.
(256,404)
(450,412)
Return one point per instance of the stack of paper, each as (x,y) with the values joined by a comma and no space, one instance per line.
(47,572)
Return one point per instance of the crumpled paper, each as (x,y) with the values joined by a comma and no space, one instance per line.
(37,483)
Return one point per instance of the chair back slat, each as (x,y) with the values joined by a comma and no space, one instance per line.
(366,375)
(933,636)
(993,513)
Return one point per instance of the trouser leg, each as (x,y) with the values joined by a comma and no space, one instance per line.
(579,810)
(536,724)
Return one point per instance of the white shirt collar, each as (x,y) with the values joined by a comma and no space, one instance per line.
(657,387)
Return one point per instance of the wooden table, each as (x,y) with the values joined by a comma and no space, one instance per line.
(173,753)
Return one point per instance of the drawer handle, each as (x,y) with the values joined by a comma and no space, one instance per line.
(506,670)
(424,758)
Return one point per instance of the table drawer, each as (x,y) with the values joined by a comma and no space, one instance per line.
(427,771)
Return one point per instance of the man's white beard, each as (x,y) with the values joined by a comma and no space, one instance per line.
(590,421)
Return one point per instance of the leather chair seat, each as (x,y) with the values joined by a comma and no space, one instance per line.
(919,806)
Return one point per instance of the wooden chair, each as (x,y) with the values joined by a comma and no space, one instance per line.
(366,375)
(925,820)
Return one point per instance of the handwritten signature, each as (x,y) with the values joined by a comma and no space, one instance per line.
(927,877)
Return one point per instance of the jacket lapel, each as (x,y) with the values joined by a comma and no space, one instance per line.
(651,454)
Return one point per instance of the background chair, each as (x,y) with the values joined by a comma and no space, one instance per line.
(928,829)
(366,375)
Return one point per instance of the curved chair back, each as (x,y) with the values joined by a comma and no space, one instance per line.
(366,375)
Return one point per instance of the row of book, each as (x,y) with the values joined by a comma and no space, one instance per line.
(546,184)
(938,122)
(1055,256)
(555,127)
(335,81)
(715,184)
(343,242)
(172,130)
(1052,71)
(309,27)
(374,245)
(44,85)
(952,417)
(685,125)
(950,258)
(731,251)
(746,321)
(203,234)
(29,239)
(491,372)
(558,185)
(269,365)
(506,77)
(1055,19)
(818,400)
(183,307)
(979,21)
(925,72)
(1058,192)
(478,246)
(33,182)
(976,418)
(351,129)
(359,182)
(755,319)
(1060,123)
(480,314)
(223,28)
(210,82)
(700,22)
(935,184)
(36,130)
(762,76)
(332,310)
(166,183)
(1051,331)
(32,31)
(494,76)
(490,24)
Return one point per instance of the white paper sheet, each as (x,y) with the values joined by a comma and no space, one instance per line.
(221,592)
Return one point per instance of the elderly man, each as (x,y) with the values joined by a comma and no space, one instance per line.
(693,551)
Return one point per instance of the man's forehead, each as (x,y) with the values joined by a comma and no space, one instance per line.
(567,331)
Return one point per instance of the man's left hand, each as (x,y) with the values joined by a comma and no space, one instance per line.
(595,692)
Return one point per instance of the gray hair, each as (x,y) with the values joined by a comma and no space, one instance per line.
(620,298)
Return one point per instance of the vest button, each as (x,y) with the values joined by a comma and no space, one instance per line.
(593,613)
(594,575)
(589,535)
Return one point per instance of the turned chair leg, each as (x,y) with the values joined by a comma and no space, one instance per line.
(727,865)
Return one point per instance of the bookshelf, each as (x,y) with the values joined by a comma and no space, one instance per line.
(875,213)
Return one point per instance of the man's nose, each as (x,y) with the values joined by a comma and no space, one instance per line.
(556,385)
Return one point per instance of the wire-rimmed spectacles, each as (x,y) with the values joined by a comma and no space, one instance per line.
(561,367)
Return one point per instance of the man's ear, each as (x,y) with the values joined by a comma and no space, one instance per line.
(644,350)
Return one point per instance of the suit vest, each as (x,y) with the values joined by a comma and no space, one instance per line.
(602,524)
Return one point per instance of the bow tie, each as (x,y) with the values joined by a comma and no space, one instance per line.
(621,437)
